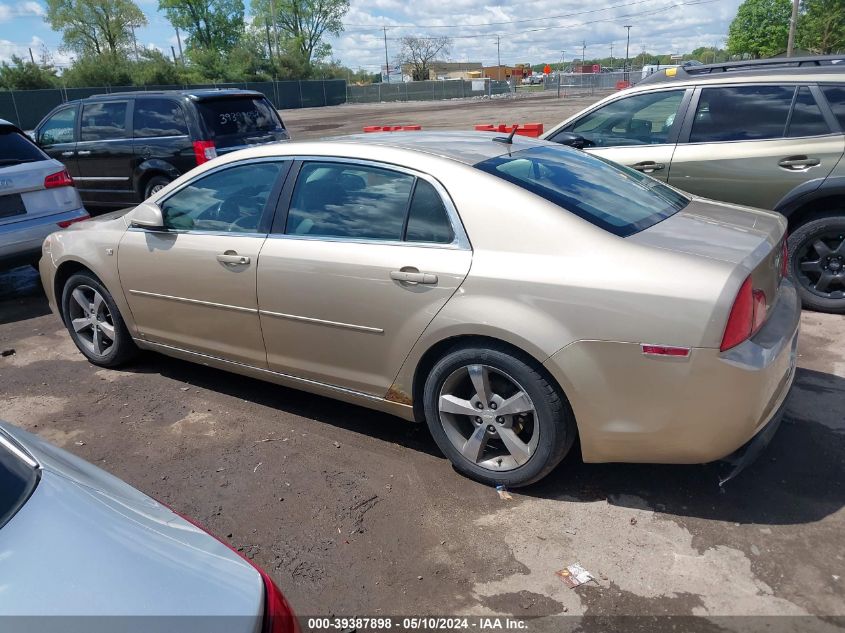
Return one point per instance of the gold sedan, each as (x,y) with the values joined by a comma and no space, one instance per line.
(511,293)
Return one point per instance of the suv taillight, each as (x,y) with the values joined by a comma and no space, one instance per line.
(748,314)
(59,179)
(204,151)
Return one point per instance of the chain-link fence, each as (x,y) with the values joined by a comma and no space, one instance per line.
(579,84)
(427,90)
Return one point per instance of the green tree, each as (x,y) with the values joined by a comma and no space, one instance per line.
(20,74)
(155,68)
(215,25)
(302,23)
(760,28)
(106,69)
(821,26)
(95,26)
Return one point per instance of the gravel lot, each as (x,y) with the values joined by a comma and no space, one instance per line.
(357,513)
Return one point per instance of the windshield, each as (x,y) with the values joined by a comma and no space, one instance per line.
(241,115)
(615,198)
(16,149)
(17,480)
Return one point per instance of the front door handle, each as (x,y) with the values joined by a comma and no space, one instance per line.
(410,275)
(84,152)
(798,162)
(231,258)
(648,166)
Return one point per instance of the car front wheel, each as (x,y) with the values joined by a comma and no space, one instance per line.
(94,322)
(817,263)
(496,416)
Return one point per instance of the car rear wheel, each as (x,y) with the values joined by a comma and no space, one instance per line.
(817,263)
(496,416)
(94,322)
(156,184)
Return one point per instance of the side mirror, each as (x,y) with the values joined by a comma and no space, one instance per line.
(147,216)
(572,140)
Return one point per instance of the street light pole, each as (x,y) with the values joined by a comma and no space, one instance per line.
(627,46)
(793,22)
(386,63)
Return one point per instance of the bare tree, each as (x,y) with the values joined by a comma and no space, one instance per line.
(420,52)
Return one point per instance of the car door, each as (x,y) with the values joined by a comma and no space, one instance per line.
(161,140)
(752,144)
(192,284)
(638,131)
(104,152)
(57,137)
(362,262)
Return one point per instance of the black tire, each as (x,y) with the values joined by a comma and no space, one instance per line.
(154,184)
(552,415)
(122,348)
(829,231)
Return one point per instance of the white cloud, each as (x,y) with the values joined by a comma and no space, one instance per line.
(20,10)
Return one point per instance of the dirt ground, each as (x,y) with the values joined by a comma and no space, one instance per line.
(355,513)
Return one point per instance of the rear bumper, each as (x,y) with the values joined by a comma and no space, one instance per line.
(20,242)
(630,407)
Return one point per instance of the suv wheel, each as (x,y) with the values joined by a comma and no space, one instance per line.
(156,184)
(496,416)
(817,263)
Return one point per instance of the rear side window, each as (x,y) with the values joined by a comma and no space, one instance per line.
(238,116)
(103,121)
(807,118)
(158,117)
(835,96)
(16,148)
(741,113)
(59,128)
(17,481)
(615,198)
(428,220)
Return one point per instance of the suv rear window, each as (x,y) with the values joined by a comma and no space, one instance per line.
(17,481)
(242,115)
(16,148)
(835,96)
(615,198)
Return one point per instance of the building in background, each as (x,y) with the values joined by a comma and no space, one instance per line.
(447,70)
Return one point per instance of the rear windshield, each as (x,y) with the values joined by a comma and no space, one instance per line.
(240,116)
(615,198)
(16,148)
(17,481)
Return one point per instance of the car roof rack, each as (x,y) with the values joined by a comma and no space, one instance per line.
(748,65)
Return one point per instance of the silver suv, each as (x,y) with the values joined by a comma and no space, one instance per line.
(764,133)
(37,197)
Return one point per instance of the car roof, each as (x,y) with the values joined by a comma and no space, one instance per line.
(197,94)
(464,147)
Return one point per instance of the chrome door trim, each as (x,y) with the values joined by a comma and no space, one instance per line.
(210,304)
(109,178)
(349,326)
(12,447)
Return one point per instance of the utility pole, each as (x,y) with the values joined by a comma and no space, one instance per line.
(611,56)
(31,56)
(559,72)
(275,26)
(627,46)
(134,41)
(793,22)
(386,63)
(179,42)
(498,60)
(173,50)
(583,51)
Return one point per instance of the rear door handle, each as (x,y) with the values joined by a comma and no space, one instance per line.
(231,258)
(67,153)
(648,166)
(413,276)
(798,162)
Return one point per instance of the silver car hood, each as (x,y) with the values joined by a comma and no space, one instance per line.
(87,544)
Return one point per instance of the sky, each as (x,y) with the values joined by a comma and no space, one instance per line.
(528,31)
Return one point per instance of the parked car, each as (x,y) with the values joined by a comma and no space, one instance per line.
(510,292)
(121,148)
(36,197)
(536,78)
(765,133)
(79,543)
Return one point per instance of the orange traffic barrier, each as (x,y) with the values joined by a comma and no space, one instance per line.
(533,130)
(621,85)
(392,128)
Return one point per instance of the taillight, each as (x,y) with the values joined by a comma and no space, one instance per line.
(278,615)
(747,315)
(59,179)
(66,223)
(204,151)
(784,258)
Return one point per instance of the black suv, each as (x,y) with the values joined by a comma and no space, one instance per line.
(120,148)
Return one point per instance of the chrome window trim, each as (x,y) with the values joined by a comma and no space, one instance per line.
(141,229)
(148,138)
(17,452)
(460,241)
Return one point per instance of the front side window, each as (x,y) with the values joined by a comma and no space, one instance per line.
(835,96)
(158,117)
(350,201)
(645,119)
(615,198)
(59,128)
(229,201)
(741,113)
(103,121)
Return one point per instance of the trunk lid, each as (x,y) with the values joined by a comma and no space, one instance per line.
(233,122)
(24,197)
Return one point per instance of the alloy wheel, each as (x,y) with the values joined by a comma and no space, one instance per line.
(91,320)
(488,417)
(820,264)
(156,188)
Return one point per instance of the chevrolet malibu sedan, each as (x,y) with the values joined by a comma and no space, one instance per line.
(84,551)
(512,293)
